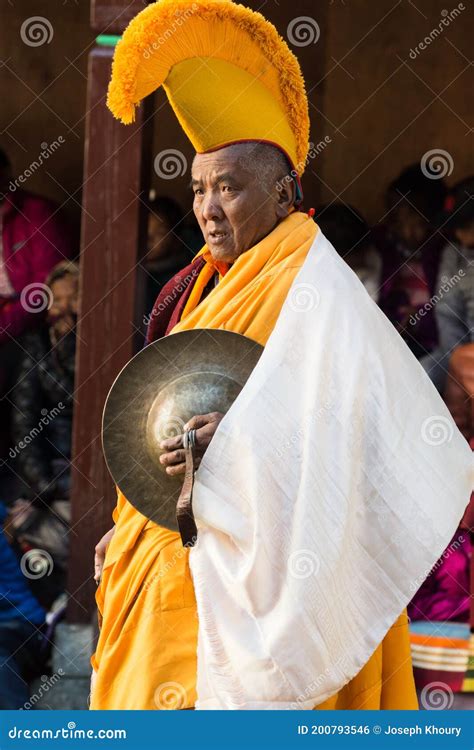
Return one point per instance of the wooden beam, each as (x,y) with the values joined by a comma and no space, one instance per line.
(113,230)
(113,16)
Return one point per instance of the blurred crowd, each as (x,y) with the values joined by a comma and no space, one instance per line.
(417,264)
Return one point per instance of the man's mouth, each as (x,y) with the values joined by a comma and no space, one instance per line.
(217,236)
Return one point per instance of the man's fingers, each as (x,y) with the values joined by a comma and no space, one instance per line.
(201,420)
(172,458)
(100,551)
(98,565)
(195,423)
(172,444)
(172,471)
(203,437)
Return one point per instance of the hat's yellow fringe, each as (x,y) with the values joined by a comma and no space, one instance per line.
(143,30)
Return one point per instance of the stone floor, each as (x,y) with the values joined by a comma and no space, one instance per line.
(67,686)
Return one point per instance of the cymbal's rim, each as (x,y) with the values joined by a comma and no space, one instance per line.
(200,350)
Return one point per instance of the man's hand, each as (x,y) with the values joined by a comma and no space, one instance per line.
(99,556)
(174,457)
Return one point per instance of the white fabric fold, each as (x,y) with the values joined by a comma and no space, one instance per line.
(330,489)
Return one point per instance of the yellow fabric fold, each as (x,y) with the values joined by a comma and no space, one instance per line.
(209,270)
(146,653)
(248,299)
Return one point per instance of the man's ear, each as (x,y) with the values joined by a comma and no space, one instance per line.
(286,196)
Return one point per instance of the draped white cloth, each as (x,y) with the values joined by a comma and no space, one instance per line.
(330,489)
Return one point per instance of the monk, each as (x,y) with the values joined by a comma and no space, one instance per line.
(255,243)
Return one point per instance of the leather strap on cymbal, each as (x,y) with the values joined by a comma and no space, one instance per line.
(184,509)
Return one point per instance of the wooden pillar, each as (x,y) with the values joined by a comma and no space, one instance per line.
(112,233)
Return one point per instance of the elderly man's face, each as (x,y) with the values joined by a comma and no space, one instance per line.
(235,209)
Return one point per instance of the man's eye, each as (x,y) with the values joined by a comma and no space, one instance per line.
(227,188)
(198,191)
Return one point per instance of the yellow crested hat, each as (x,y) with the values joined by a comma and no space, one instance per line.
(228,74)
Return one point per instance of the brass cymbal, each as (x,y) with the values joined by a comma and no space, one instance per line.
(152,398)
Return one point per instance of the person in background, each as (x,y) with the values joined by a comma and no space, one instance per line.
(22,643)
(42,425)
(440,622)
(454,310)
(172,244)
(349,232)
(442,610)
(33,239)
(446,597)
(411,251)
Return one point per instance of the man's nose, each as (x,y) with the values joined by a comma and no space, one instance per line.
(211,208)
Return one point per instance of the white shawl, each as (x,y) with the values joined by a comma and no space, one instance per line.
(330,489)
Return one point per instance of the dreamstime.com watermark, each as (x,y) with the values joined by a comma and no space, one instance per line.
(437,430)
(36,297)
(437,696)
(170,564)
(172,29)
(447,17)
(296,438)
(303,563)
(319,683)
(46,685)
(455,545)
(36,563)
(36,31)
(67,733)
(170,163)
(444,288)
(303,31)
(314,151)
(45,420)
(170,696)
(47,149)
(437,164)
(170,298)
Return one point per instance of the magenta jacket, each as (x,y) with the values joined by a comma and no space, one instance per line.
(34,241)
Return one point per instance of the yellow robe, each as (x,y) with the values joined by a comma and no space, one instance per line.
(146,653)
